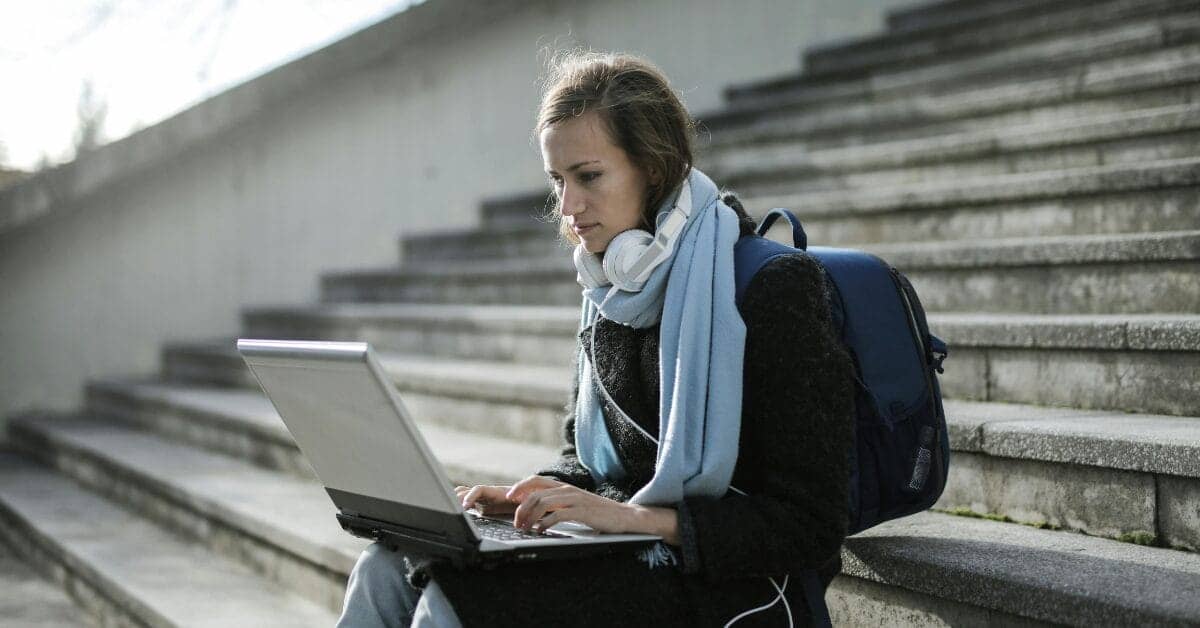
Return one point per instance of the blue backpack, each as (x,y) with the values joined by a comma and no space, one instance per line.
(902,452)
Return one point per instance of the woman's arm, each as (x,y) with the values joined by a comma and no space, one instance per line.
(797,431)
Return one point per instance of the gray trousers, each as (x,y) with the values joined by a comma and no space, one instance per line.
(378,596)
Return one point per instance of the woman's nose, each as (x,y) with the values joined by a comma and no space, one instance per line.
(570,204)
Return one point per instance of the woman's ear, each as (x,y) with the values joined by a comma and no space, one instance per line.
(655,177)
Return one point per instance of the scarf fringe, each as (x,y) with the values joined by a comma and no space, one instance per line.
(658,555)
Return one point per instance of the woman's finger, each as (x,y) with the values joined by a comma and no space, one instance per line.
(538,503)
(519,490)
(551,518)
(473,496)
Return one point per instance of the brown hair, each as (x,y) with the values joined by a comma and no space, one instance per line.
(637,108)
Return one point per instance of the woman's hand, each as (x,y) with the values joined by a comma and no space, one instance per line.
(541,507)
(493,500)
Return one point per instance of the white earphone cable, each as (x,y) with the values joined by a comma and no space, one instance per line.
(600,384)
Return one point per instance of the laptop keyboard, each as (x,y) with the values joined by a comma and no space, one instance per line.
(504,531)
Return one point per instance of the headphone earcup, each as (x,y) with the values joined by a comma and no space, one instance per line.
(621,255)
(590,272)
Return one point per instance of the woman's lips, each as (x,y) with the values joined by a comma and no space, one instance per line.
(582,229)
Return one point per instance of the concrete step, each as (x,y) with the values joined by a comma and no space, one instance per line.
(935,569)
(514,281)
(1028,23)
(280,526)
(1109,474)
(243,424)
(129,571)
(509,241)
(1159,209)
(1138,81)
(227,506)
(519,209)
(911,561)
(990,193)
(1119,28)
(957,14)
(29,601)
(1134,273)
(210,362)
(1103,473)
(502,399)
(1134,363)
(526,334)
(1131,211)
(1138,273)
(1171,132)
(1137,363)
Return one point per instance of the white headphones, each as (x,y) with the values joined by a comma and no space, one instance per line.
(634,254)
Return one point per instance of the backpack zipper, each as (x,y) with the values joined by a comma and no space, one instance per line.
(913,328)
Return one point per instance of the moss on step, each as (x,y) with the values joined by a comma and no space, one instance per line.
(963,511)
(1137,537)
(1140,537)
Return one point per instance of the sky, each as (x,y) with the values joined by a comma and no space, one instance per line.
(146,60)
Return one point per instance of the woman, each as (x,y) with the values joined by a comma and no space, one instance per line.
(757,405)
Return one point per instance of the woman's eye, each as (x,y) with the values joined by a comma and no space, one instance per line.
(586,177)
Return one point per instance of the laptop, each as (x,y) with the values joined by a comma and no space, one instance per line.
(347,418)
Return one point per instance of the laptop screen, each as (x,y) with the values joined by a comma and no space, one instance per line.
(348,421)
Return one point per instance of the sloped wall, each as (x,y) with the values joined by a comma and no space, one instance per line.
(321,164)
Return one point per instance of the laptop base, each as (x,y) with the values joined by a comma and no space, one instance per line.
(406,541)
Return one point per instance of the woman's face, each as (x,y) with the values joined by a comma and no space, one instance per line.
(600,190)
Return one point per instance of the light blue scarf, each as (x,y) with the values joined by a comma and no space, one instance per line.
(701,344)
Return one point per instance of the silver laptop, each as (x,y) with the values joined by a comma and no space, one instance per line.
(349,422)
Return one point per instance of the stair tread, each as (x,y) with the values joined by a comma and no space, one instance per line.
(292,512)
(893,35)
(490,316)
(253,409)
(889,64)
(1154,332)
(947,148)
(535,382)
(1150,246)
(29,601)
(1142,332)
(852,109)
(1120,440)
(992,188)
(171,581)
(251,498)
(927,552)
(1161,330)
(1051,575)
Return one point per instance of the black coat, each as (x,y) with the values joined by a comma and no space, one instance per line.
(796,432)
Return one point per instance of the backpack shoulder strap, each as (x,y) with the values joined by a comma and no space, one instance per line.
(750,254)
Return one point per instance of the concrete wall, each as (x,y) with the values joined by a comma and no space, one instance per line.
(321,164)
